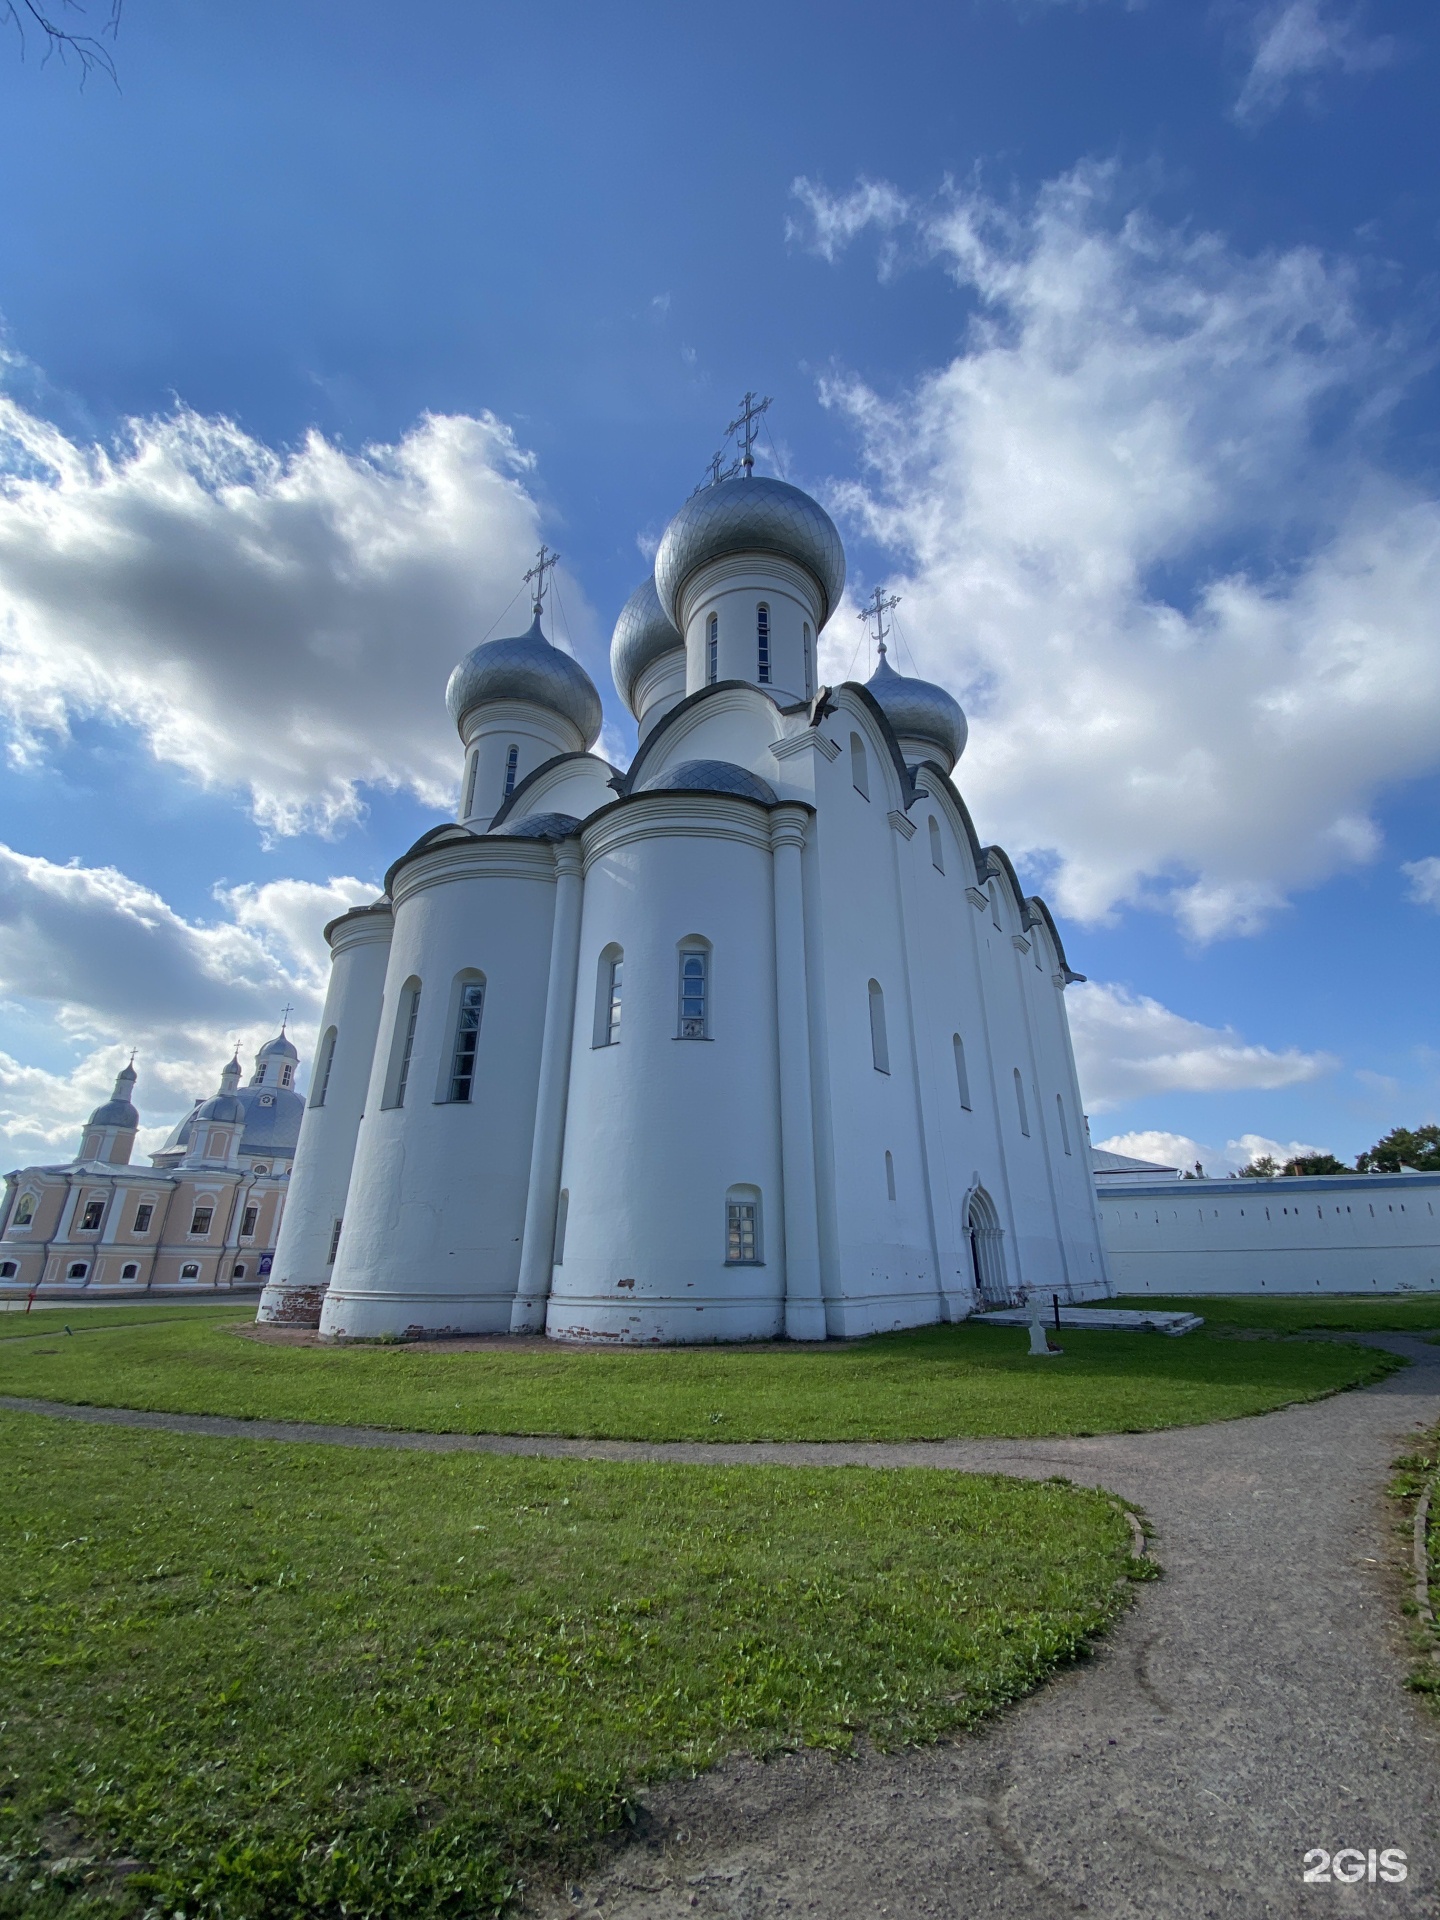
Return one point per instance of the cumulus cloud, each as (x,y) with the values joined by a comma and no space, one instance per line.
(1144,537)
(1424,878)
(279,623)
(106,965)
(1297,40)
(1128,1045)
(1178,1150)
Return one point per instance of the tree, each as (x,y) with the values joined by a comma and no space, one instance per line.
(1313,1163)
(62,29)
(1262,1167)
(1403,1148)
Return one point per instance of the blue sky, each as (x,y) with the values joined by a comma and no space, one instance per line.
(1106,332)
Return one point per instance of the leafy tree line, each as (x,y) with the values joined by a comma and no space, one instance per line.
(1417,1147)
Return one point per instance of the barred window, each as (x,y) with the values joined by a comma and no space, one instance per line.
(402,1046)
(201,1218)
(334,1243)
(694,991)
(512,763)
(143,1215)
(467,1040)
(712,650)
(762,643)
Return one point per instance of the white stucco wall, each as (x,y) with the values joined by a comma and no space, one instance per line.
(1353,1233)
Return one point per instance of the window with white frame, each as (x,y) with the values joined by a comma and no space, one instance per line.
(248,1220)
(144,1214)
(1020,1104)
(859,766)
(762,643)
(78,1269)
(237,1272)
(24,1210)
(190,1270)
(9,1269)
(712,650)
(609,986)
(130,1270)
(94,1213)
(324,1061)
(512,767)
(937,846)
(200,1219)
(962,1076)
(879,1040)
(402,1044)
(694,989)
(743,1246)
(469,1007)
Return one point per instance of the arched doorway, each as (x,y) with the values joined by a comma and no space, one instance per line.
(987,1251)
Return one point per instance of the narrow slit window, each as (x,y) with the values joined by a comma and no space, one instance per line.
(807,645)
(562,1221)
(512,763)
(322,1068)
(334,1243)
(403,1046)
(879,1041)
(610,996)
(694,993)
(762,643)
(889,1174)
(859,767)
(1020,1104)
(712,650)
(995,920)
(962,1076)
(937,846)
(467,1040)
(468,806)
(248,1221)
(1064,1129)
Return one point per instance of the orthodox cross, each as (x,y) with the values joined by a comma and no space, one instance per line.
(716,471)
(883,603)
(285,1013)
(744,425)
(544,561)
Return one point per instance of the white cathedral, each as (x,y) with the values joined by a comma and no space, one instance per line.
(752,1039)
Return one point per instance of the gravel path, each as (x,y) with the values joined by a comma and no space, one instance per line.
(1250,1706)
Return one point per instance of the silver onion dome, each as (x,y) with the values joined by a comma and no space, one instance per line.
(711,776)
(225,1109)
(119,1109)
(918,710)
(282,1047)
(644,633)
(525,668)
(759,515)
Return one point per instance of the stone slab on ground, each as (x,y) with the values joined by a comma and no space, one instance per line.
(1097,1319)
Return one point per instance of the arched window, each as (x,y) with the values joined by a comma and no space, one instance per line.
(325,1059)
(237,1272)
(1020,1103)
(402,1044)
(9,1269)
(962,1077)
(130,1270)
(468,806)
(743,1245)
(712,650)
(94,1213)
(562,1221)
(78,1269)
(190,1270)
(859,767)
(24,1210)
(809,652)
(889,1174)
(512,763)
(879,1043)
(694,989)
(937,846)
(1064,1129)
(469,1004)
(762,643)
(609,984)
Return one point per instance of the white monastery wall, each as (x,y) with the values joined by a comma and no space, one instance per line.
(1354,1233)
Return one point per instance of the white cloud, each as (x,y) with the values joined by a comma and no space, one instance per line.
(1193,620)
(1297,40)
(107,965)
(1424,878)
(1128,1046)
(279,623)
(1178,1150)
(835,220)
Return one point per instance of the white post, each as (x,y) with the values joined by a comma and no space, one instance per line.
(537,1246)
(804,1303)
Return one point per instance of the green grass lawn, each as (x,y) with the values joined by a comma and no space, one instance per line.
(1299,1313)
(17,1324)
(286,1682)
(934,1383)
(1413,1473)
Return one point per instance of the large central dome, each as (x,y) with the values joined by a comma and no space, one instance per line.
(759,515)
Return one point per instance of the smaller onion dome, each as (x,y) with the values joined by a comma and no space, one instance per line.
(225,1109)
(282,1047)
(712,776)
(643,634)
(539,826)
(119,1109)
(758,515)
(525,668)
(919,711)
